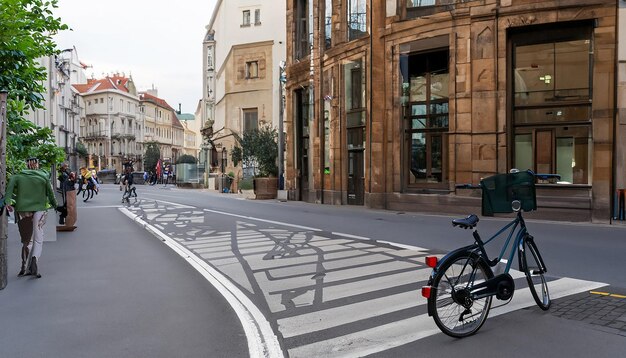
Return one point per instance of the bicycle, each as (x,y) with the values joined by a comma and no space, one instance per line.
(462,284)
(88,191)
(129,191)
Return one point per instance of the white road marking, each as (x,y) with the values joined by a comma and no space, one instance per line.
(262,342)
(262,220)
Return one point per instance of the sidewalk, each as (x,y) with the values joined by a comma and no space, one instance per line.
(110,289)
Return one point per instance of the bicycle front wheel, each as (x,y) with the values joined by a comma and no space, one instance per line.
(534,269)
(454,309)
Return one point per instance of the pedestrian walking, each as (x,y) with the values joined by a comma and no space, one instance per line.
(68,187)
(166,173)
(30,194)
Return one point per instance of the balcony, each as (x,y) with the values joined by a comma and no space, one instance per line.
(123,135)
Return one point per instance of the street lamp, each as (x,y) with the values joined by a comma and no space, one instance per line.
(224,159)
(282,79)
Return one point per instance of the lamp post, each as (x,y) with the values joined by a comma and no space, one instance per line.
(282,79)
(224,159)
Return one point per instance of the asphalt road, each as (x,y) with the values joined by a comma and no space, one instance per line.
(112,289)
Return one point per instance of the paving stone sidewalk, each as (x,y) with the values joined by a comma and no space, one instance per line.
(604,308)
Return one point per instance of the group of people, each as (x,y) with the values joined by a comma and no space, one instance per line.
(29,194)
(153,177)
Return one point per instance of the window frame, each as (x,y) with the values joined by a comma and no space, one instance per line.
(245,21)
(249,66)
(352,9)
(257,17)
(430,132)
(245,113)
(550,129)
(302,45)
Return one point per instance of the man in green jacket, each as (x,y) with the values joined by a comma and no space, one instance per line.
(30,192)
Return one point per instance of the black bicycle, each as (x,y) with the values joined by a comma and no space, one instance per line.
(462,284)
(129,192)
(88,188)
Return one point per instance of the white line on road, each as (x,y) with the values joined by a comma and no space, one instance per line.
(262,220)
(262,342)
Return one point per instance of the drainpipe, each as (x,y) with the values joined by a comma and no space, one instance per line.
(616,109)
(369,147)
(311,95)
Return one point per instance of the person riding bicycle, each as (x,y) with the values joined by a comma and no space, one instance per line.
(87,178)
(127,182)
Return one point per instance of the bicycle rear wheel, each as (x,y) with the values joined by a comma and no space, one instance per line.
(534,268)
(454,310)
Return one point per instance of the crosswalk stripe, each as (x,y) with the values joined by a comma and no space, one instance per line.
(330,294)
(398,333)
(328,318)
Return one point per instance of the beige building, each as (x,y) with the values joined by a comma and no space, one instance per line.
(111,129)
(243,46)
(159,118)
(392,106)
(192,136)
(62,106)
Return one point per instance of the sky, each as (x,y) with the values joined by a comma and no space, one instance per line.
(158,42)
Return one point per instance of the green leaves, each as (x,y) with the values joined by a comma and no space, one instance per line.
(259,148)
(26,30)
(153,153)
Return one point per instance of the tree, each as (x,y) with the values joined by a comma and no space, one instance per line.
(186,158)
(152,156)
(258,148)
(26,30)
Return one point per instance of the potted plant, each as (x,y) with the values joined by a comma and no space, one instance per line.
(258,150)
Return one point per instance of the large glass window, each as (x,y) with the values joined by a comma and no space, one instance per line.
(301,45)
(357,19)
(552,102)
(328,23)
(425,93)
(354,77)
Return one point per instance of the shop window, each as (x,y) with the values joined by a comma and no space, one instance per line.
(552,101)
(425,96)
(357,19)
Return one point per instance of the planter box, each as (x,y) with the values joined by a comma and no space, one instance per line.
(265,188)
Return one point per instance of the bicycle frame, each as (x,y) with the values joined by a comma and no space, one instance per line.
(488,287)
(518,221)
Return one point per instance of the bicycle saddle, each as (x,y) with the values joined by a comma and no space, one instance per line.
(466,223)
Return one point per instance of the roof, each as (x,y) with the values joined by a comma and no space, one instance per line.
(175,121)
(115,82)
(185,116)
(143,96)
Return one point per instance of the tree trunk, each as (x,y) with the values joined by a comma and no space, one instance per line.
(3,178)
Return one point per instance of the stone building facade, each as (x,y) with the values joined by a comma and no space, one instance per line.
(111,129)
(242,48)
(390,104)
